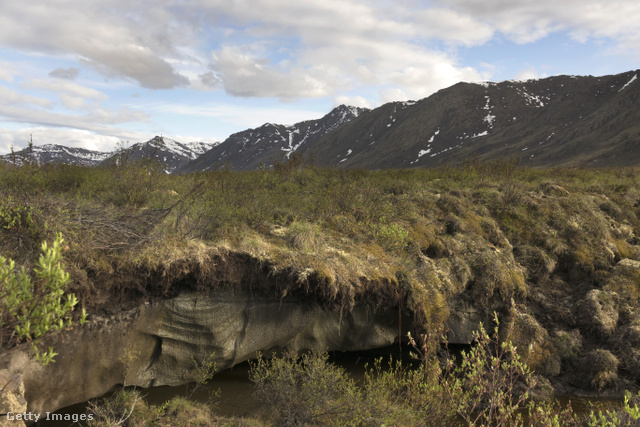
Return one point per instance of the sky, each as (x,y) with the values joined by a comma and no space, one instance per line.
(99,74)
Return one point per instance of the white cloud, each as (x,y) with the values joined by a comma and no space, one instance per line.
(240,116)
(529,73)
(18,138)
(526,21)
(361,52)
(336,46)
(244,74)
(118,38)
(67,88)
(11,97)
(356,101)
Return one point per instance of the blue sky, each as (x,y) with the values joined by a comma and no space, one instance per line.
(95,73)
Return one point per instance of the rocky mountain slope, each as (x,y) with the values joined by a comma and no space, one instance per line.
(53,153)
(563,120)
(172,154)
(556,121)
(271,142)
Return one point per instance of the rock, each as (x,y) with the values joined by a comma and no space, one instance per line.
(11,398)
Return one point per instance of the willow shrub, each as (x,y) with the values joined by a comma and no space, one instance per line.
(30,309)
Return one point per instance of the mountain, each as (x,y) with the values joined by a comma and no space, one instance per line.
(53,153)
(270,142)
(556,121)
(172,154)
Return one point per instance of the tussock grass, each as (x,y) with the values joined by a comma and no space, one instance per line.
(490,233)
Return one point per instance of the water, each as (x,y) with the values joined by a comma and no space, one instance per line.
(236,391)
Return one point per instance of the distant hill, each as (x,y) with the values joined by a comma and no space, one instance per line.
(170,153)
(53,153)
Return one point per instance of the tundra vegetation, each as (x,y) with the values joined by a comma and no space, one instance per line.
(555,253)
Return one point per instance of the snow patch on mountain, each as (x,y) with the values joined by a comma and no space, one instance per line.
(633,79)
(531,99)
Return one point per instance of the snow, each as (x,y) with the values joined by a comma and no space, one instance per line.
(489,118)
(532,99)
(433,136)
(634,78)
(487,106)
(200,147)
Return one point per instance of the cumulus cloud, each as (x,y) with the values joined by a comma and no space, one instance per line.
(529,20)
(70,73)
(14,98)
(18,138)
(330,46)
(209,79)
(118,38)
(244,74)
(529,73)
(360,52)
(335,47)
(355,100)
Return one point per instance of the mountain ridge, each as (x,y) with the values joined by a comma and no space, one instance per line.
(555,121)
(266,144)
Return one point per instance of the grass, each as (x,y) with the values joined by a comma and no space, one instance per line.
(492,234)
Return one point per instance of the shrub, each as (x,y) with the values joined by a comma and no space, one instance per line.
(491,383)
(304,390)
(405,395)
(31,309)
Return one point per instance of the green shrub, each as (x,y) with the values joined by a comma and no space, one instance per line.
(31,309)
(305,390)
